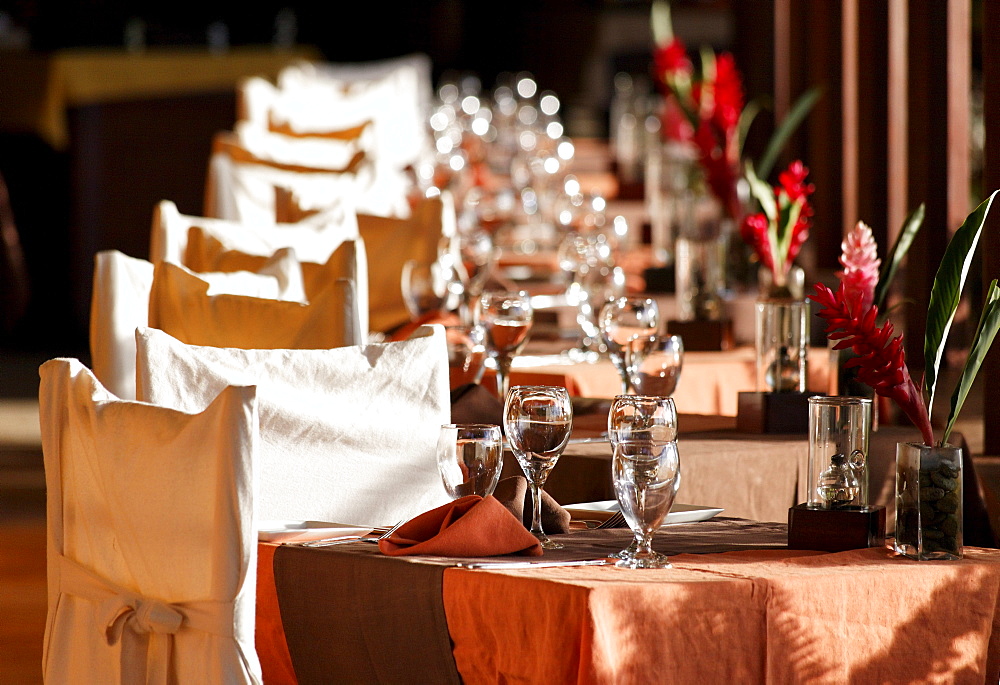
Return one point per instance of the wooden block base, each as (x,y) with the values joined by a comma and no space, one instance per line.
(659,279)
(835,530)
(703,336)
(773,412)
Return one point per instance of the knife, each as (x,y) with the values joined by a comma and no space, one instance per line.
(499,565)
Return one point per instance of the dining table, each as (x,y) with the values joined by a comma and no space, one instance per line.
(736,606)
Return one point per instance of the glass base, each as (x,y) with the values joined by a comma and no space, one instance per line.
(912,552)
(626,553)
(639,560)
(547,542)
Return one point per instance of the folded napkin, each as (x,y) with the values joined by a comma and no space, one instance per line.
(470,526)
(472,403)
(513,493)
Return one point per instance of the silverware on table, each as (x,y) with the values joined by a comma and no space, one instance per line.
(501,565)
(327,542)
(617,520)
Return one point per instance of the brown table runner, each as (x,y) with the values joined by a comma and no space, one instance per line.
(351,614)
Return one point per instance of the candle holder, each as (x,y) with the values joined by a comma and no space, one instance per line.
(836,515)
(781,343)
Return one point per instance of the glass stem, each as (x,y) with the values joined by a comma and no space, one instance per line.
(626,366)
(503,375)
(644,544)
(536,510)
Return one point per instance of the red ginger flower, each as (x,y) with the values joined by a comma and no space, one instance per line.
(861,264)
(792,181)
(728,93)
(671,59)
(754,233)
(880,358)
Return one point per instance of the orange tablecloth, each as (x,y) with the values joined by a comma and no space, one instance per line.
(742,617)
(709,383)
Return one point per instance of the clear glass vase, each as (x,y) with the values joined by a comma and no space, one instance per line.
(781,341)
(700,259)
(928,501)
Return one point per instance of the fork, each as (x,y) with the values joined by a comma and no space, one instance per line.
(616,520)
(327,542)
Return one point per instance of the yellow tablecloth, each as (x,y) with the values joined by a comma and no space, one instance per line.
(38,88)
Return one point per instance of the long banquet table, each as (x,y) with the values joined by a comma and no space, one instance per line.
(735,607)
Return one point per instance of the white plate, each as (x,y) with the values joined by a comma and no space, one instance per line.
(283,531)
(679,513)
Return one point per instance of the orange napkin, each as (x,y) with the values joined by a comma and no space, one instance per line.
(470,526)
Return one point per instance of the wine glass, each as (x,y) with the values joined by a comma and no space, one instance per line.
(538,420)
(466,354)
(507,318)
(640,419)
(622,322)
(469,458)
(429,287)
(646,477)
(656,365)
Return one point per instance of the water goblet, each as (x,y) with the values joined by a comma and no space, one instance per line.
(622,322)
(638,419)
(469,458)
(538,420)
(429,287)
(466,354)
(656,365)
(646,475)
(507,318)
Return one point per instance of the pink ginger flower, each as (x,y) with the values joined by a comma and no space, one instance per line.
(861,264)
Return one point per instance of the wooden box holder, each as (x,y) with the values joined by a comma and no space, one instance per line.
(836,530)
(703,336)
(772,412)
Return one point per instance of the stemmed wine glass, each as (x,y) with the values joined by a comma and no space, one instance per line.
(538,420)
(638,425)
(656,365)
(507,318)
(623,321)
(429,287)
(470,458)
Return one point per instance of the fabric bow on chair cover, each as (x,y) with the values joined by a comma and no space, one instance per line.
(151,547)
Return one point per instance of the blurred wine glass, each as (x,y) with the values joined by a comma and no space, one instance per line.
(466,354)
(593,280)
(656,365)
(622,322)
(429,287)
(507,318)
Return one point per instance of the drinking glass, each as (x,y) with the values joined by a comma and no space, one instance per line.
(429,287)
(507,318)
(640,419)
(646,476)
(469,458)
(656,365)
(538,420)
(622,322)
(466,354)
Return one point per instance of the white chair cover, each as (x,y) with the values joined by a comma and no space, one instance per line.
(347,435)
(313,244)
(120,304)
(151,545)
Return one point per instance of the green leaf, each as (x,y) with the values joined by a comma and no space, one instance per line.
(763,192)
(660,22)
(747,116)
(947,291)
(989,324)
(895,257)
(779,139)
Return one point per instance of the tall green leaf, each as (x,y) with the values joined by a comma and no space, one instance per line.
(763,192)
(947,291)
(795,116)
(747,116)
(895,257)
(989,324)
(660,22)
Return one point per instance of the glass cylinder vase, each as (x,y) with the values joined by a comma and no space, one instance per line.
(700,259)
(781,341)
(928,501)
(839,430)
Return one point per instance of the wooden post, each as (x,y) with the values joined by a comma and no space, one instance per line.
(990,242)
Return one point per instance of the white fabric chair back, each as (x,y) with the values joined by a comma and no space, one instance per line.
(347,435)
(151,542)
